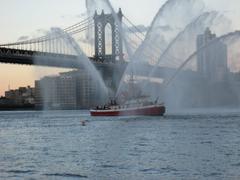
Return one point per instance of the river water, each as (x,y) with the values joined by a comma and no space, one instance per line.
(54,145)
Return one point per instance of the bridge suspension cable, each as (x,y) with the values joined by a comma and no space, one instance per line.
(74,29)
(85,21)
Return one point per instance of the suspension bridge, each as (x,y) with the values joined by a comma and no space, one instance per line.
(52,50)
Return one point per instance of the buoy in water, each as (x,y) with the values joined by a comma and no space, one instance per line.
(83,123)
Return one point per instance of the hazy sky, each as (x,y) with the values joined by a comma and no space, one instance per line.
(25,18)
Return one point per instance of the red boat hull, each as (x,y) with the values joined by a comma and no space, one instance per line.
(144,111)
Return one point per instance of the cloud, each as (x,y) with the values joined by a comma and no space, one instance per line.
(86,40)
(82,15)
(138,28)
(165,28)
(70,16)
(36,34)
(42,31)
(23,38)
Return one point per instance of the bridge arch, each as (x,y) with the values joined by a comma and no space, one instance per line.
(102,21)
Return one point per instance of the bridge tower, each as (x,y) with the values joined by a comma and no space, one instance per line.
(101,21)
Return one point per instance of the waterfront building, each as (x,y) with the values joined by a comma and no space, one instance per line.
(69,90)
(4,101)
(56,92)
(86,89)
(212,61)
(21,96)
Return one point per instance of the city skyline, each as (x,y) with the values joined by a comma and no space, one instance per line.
(64,15)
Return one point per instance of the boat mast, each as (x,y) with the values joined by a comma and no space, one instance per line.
(131,86)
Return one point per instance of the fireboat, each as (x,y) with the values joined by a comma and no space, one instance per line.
(135,104)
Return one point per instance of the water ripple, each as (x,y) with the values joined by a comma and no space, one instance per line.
(150,170)
(20,171)
(67,175)
(236,165)
(214,174)
(206,142)
(108,166)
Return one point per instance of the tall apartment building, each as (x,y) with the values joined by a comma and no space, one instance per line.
(56,92)
(212,60)
(70,90)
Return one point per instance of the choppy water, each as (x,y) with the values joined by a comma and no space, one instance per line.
(54,145)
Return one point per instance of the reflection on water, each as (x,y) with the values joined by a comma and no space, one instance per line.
(54,145)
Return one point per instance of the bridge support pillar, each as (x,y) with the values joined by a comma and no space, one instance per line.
(112,76)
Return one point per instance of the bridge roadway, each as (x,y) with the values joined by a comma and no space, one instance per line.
(26,57)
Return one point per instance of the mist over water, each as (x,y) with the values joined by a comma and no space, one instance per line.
(184,44)
(171,18)
(84,64)
(221,95)
(83,60)
(179,49)
(229,38)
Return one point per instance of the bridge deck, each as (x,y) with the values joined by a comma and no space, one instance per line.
(26,57)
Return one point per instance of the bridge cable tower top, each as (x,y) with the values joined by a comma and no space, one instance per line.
(100,22)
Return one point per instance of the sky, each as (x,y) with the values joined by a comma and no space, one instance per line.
(28,17)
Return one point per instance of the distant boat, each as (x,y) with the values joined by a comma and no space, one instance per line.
(135,105)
